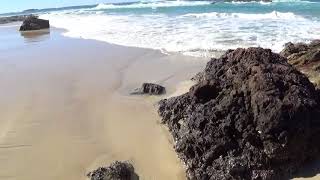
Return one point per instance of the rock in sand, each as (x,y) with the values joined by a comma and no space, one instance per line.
(34,23)
(149,88)
(116,171)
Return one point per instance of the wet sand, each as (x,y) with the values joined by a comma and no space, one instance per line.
(65,107)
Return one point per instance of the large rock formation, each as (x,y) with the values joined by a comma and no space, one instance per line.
(252,116)
(116,171)
(306,57)
(33,23)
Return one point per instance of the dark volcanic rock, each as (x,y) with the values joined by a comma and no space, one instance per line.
(306,57)
(116,171)
(10,19)
(252,117)
(33,23)
(150,88)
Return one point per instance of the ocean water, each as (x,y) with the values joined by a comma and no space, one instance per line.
(197,28)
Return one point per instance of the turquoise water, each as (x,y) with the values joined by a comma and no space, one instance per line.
(304,8)
(199,28)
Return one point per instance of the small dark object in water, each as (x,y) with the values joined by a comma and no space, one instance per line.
(34,23)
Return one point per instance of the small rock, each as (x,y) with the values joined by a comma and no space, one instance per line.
(301,53)
(149,88)
(33,23)
(305,57)
(291,48)
(116,171)
(315,43)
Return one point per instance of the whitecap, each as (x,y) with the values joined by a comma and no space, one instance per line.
(271,15)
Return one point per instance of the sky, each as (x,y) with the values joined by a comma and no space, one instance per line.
(19,5)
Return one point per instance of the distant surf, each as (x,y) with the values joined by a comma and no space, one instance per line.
(197,28)
(154,4)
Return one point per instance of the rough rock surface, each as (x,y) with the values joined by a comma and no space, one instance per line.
(150,88)
(198,77)
(301,53)
(306,57)
(33,23)
(116,171)
(252,117)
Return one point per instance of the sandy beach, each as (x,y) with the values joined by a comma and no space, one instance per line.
(160,90)
(65,107)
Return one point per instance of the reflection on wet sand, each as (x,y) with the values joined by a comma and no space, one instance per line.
(35,36)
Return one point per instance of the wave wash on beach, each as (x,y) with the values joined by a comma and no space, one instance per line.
(199,28)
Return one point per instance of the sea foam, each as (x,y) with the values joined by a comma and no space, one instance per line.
(272,15)
(197,34)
